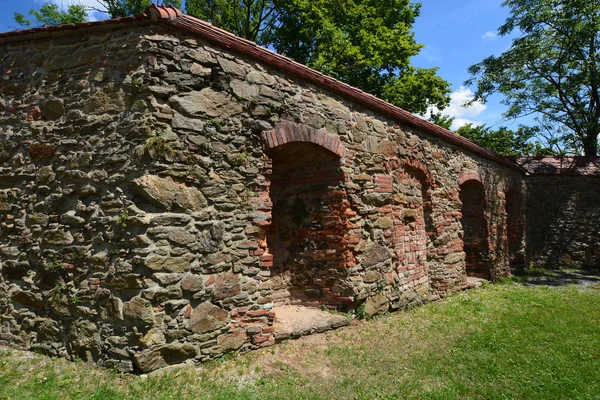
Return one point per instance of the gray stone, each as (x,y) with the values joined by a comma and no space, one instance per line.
(377,199)
(180,236)
(244,90)
(171,219)
(260,78)
(231,67)
(203,57)
(377,304)
(375,254)
(28,298)
(52,109)
(207,317)
(158,294)
(167,193)
(71,219)
(453,258)
(167,278)
(164,355)
(232,340)
(226,286)
(206,102)
(139,310)
(58,238)
(169,264)
(199,70)
(384,223)
(192,283)
(45,175)
(163,91)
(113,309)
(38,219)
(190,124)
(371,277)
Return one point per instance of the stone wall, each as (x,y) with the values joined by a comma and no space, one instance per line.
(161,196)
(563,212)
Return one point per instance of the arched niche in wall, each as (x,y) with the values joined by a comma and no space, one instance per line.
(515,229)
(475,225)
(413,226)
(308,233)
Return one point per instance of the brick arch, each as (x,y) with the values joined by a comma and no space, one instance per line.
(287,132)
(475,224)
(414,167)
(470,176)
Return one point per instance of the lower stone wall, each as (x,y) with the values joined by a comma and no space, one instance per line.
(563,222)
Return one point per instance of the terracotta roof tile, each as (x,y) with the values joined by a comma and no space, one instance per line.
(171,17)
(561,165)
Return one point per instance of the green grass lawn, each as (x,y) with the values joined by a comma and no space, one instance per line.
(504,341)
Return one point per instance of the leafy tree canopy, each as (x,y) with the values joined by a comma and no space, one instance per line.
(50,14)
(505,141)
(550,71)
(365,43)
(250,19)
(123,8)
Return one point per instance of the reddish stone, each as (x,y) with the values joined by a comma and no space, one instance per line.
(41,152)
(260,313)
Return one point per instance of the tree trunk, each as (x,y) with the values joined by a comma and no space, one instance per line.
(590,144)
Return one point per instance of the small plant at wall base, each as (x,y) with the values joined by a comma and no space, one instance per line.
(360,313)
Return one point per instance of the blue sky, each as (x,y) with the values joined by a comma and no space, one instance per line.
(456,34)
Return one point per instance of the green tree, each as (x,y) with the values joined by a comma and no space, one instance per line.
(441,119)
(50,14)
(249,19)
(365,43)
(123,8)
(550,71)
(505,141)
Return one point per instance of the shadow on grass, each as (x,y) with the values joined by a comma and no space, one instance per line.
(556,278)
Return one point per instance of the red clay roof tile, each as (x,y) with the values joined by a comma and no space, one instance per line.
(561,165)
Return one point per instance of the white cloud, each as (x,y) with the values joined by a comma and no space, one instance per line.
(457,107)
(489,35)
(460,122)
(462,114)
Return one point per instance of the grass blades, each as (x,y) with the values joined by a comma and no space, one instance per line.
(504,341)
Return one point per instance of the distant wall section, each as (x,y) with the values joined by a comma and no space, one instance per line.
(563,212)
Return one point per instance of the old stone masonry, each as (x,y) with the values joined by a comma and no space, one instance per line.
(167,187)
